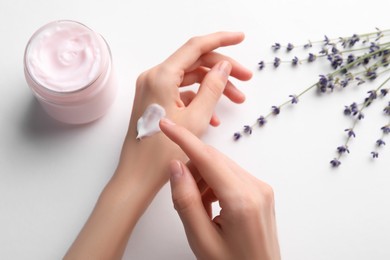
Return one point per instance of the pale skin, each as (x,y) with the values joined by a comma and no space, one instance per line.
(246,227)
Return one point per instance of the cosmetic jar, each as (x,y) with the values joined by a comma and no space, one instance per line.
(68,67)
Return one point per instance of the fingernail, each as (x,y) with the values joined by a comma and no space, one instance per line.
(167,121)
(225,67)
(176,170)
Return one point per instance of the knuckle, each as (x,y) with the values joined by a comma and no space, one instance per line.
(145,79)
(267,193)
(140,80)
(251,202)
(193,41)
(214,86)
(148,80)
(197,44)
(184,202)
(211,153)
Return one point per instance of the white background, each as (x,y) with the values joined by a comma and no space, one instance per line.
(50,177)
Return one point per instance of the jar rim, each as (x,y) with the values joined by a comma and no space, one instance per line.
(64,92)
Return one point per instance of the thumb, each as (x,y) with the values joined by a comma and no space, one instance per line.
(211,88)
(201,233)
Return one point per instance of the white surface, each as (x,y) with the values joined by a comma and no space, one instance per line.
(50,177)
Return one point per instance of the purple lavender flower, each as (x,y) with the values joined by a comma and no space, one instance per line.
(261,65)
(380,142)
(351,109)
(360,81)
(374,47)
(237,136)
(247,129)
(335,163)
(294,99)
(335,50)
(290,47)
(386,129)
(372,94)
(294,61)
(331,86)
(275,110)
(308,45)
(350,59)
(360,116)
(353,40)
(387,109)
(311,57)
(336,61)
(347,110)
(261,121)
(276,46)
(384,92)
(385,62)
(323,83)
(343,42)
(344,83)
(354,108)
(324,51)
(371,74)
(326,40)
(350,132)
(342,149)
(374,154)
(276,62)
(366,60)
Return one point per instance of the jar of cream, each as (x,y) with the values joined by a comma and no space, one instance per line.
(68,67)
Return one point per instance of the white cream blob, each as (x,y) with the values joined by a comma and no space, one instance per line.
(148,123)
(64,56)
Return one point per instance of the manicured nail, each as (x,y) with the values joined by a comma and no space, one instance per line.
(176,170)
(225,67)
(167,121)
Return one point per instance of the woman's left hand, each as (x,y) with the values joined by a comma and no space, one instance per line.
(194,62)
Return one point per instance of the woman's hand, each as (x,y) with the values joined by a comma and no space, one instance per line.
(245,228)
(194,62)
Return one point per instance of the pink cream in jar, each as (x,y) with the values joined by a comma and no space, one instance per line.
(69,69)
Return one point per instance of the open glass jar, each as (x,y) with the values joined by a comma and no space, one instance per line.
(68,67)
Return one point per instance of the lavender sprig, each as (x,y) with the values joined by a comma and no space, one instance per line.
(385,130)
(358,113)
(374,61)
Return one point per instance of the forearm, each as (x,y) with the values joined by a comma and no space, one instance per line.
(140,174)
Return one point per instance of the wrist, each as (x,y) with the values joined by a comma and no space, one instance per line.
(146,161)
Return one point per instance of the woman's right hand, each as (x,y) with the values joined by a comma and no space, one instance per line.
(246,226)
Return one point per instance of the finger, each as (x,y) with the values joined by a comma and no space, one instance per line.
(190,52)
(187,96)
(209,60)
(202,186)
(210,163)
(194,76)
(188,204)
(194,171)
(198,75)
(214,121)
(233,93)
(211,89)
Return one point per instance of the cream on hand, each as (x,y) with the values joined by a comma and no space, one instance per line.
(148,123)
